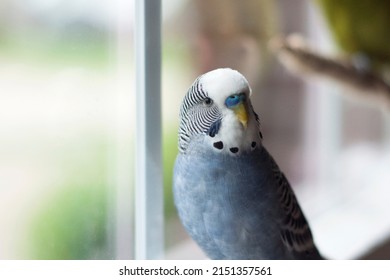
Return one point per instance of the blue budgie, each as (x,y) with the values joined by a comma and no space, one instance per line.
(230,195)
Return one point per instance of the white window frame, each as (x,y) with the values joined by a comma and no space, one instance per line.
(149,220)
(326,110)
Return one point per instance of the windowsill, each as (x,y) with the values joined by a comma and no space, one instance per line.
(351,218)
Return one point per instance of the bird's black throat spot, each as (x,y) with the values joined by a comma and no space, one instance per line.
(214,128)
(234,150)
(218,145)
(253,145)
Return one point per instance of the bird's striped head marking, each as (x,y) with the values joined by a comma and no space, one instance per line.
(218,106)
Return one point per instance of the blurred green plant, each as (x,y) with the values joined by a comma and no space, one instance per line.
(360,26)
(71,221)
(43,48)
(72,225)
(169,155)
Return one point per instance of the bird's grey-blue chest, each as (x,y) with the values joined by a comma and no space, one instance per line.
(218,177)
(221,198)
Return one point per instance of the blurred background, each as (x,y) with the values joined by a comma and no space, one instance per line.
(67,119)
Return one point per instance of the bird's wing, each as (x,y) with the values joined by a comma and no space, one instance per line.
(295,231)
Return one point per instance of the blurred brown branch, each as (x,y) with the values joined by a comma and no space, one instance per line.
(296,55)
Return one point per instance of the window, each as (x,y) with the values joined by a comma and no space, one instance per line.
(69,114)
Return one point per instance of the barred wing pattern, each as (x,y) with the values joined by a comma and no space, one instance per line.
(295,231)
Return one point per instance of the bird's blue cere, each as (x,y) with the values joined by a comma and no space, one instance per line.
(234,100)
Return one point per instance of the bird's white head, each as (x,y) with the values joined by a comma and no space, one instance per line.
(218,106)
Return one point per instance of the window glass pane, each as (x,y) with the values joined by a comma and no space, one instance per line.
(324,143)
(65,129)
(213,34)
(67,123)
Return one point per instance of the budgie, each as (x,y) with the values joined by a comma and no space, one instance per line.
(230,195)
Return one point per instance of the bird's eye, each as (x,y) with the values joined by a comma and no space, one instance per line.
(207,101)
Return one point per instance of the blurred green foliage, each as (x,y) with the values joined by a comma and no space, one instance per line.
(72,219)
(42,48)
(169,155)
(361,26)
(72,225)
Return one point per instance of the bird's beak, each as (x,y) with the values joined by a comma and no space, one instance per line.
(241,114)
